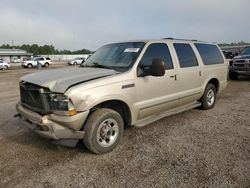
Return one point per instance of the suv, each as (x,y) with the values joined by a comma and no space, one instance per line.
(45,62)
(240,65)
(77,61)
(120,85)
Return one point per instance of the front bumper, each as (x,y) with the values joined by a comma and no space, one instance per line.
(53,127)
(245,71)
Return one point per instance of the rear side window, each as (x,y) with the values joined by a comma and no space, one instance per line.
(210,54)
(39,59)
(157,51)
(185,55)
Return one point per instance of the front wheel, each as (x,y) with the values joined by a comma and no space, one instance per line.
(103,131)
(46,64)
(30,66)
(209,97)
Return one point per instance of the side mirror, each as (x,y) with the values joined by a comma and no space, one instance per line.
(158,67)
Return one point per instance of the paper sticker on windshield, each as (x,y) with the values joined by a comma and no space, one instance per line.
(132,50)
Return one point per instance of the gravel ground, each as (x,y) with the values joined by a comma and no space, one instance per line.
(192,149)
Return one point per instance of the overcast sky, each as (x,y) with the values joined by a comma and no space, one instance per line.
(77,24)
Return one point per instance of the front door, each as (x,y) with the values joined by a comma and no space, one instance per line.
(156,94)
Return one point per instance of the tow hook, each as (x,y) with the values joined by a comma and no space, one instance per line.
(17,115)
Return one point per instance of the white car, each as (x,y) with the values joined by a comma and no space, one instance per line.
(16,60)
(77,61)
(45,62)
(4,65)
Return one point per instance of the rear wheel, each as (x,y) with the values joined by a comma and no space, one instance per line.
(233,75)
(209,97)
(103,130)
(29,65)
(75,63)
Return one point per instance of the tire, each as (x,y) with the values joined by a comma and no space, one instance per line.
(233,75)
(103,126)
(75,63)
(5,67)
(29,66)
(46,64)
(208,99)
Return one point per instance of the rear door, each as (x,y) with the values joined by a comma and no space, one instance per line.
(156,94)
(189,73)
(42,60)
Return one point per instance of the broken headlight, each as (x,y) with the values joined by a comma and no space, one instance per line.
(62,105)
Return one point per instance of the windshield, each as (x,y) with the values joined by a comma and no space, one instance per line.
(120,56)
(246,51)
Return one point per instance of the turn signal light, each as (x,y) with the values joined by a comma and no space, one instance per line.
(72,112)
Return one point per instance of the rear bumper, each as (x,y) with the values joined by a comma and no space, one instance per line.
(51,126)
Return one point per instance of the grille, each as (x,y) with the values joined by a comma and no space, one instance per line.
(32,97)
(241,65)
(240,61)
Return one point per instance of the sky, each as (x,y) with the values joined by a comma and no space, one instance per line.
(78,24)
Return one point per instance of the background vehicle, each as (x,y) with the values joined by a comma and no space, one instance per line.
(77,61)
(45,62)
(122,84)
(240,65)
(228,54)
(15,60)
(4,65)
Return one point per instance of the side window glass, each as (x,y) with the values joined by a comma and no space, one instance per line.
(210,54)
(157,51)
(186,55)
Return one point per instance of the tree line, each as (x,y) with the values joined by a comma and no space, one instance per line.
(235,43)
(44,50)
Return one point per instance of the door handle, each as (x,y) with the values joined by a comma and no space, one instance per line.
(199,73)
(174,76)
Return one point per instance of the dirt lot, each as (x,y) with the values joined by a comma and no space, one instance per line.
(192,149)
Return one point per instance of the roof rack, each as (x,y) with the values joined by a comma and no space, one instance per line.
(170,38)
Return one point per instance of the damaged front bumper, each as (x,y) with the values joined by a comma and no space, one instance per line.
(59,129)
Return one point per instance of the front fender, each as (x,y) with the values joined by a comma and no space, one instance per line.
(89,104)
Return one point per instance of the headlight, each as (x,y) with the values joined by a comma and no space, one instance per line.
(62,105)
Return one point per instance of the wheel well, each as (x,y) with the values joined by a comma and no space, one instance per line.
(216,83)
(118,106)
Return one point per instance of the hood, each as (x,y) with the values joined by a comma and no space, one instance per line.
(242,57)
(59,80)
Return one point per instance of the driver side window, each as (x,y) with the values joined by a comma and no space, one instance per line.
(156,51)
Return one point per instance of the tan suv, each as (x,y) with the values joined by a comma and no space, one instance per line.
(120,85)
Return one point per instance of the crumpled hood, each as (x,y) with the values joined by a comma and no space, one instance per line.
(59,80)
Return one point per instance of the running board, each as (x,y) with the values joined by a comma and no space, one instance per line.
(156,117)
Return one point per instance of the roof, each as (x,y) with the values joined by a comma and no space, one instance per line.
(13,52)
(168,39)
